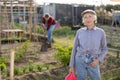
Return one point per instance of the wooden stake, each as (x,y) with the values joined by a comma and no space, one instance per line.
(12,65)
(30,19)
(12,18)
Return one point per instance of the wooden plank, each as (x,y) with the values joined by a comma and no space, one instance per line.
(115,50)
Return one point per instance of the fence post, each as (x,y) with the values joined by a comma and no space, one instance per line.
(117,54)
(12,65)
(0,74)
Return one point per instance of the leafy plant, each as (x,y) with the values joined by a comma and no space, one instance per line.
(40,30)
(25,69)
(25,46)
(21,51)
(106,76)
(39,67)
(47,67)
(31,68)
(17,25)
(2,66)
(3,59)
(111,46)
(8,72)
(16,71)
(63,54)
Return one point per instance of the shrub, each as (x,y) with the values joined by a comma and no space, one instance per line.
(3,59)
(40,30)
(2,66)
(63,54)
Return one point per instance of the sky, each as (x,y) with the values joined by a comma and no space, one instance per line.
(89,2)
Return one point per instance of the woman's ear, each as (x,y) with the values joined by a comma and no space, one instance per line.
(95,19)
(82,20)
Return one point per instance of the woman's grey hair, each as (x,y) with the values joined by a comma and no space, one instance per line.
(91,12)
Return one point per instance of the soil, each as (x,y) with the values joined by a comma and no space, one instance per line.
(33,54)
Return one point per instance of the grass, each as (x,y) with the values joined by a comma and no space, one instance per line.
(64,31)
(63,41)
(64,36)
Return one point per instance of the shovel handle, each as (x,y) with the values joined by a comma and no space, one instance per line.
(45,33)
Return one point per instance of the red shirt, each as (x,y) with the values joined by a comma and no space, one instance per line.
(51,21)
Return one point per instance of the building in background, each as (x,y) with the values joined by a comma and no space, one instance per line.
(66,14)
(21,9)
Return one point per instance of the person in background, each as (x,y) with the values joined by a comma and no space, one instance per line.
(89,48)
(48,23)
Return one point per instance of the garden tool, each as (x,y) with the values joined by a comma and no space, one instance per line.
(44,42)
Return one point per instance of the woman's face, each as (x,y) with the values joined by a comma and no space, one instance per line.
(47,18)
(89,19)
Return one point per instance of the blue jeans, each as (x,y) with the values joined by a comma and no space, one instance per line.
(52,27)
(82,66)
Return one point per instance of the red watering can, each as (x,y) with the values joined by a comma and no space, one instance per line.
(70,76)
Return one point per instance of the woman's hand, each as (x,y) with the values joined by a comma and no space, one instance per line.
(42,24)
(71,70)
(94,63)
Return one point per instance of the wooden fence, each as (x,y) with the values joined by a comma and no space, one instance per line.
(113,35)
(115,50)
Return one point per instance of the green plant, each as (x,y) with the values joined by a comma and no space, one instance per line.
(31,65)
(25,46)
(16,71)
(17,25)
(63,54)
(3,59)
(31,68)
(111,46)
(47,67)
(20,52)
(40,30)
(39,67)
(2,66)
(106,76)
(8,72)
(18,56)
(116,74)
(25,69)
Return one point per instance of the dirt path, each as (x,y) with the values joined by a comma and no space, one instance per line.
(33,54)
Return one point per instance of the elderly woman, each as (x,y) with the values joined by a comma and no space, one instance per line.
(89,48)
